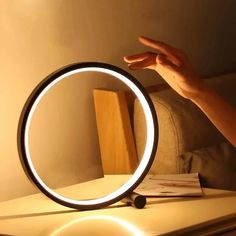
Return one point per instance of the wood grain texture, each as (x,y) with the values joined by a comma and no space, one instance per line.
(118,152)
(114,110)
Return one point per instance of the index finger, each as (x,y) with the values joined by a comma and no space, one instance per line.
(160,46)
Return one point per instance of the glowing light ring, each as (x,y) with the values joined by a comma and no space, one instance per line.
(151,142)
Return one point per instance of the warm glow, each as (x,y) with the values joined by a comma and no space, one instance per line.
(149,142)
(122,223)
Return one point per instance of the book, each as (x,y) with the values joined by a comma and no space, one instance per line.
(175,185)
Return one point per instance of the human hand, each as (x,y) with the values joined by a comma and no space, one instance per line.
(171,64)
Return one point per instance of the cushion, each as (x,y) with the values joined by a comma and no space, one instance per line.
(216,165)
(183,127)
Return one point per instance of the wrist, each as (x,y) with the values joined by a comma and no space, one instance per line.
(201,94)
(194,89)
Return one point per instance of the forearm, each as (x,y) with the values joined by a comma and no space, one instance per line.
(220,112)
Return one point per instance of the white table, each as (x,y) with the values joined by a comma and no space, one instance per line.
(38,215)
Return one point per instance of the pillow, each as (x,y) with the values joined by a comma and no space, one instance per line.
(183,127)
(216,165)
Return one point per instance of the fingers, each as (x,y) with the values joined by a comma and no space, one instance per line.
(169,57)
(149,62)
(164,48)
(141,61)
(160,46)
(139,57)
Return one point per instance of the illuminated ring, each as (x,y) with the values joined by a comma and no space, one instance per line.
(151,142)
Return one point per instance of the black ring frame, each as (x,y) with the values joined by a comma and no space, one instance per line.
(28,106)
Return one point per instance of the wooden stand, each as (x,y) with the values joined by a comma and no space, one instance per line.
(116,140)
(113,111)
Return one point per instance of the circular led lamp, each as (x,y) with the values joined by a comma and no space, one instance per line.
(151,142)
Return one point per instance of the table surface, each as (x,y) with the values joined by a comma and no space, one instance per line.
(35,215)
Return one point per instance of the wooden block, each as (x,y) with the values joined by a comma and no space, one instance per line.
(118,152)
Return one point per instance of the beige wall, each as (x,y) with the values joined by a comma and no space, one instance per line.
(38,37)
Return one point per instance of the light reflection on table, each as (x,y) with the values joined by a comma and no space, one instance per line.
(99,224)
(38,215)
